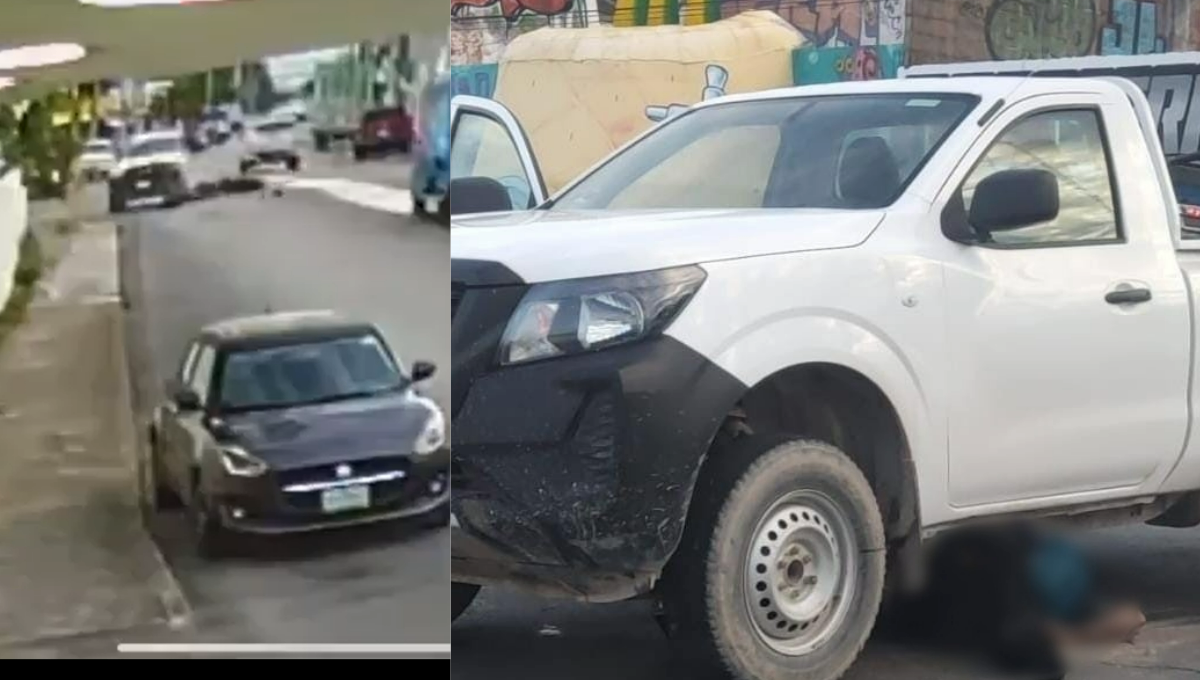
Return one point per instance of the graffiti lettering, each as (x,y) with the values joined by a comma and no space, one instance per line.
(1040,29)
(863,64)
(478,80)
(512,9)
(1136,28)
(834,23)
(973,10)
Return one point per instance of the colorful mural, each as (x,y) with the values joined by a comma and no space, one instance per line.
(971,30)
(816,65)
(576,111)
(480,29)
(475,79)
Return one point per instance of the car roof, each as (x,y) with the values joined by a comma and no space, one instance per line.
(283,328)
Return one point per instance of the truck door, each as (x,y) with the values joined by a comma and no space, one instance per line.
(488,142)
(1069,340)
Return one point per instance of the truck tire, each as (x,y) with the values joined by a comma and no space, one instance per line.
(361,153)
(461,597)
(780,571)
(293,164)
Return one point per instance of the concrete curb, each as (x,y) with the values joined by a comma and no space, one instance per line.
(131,360)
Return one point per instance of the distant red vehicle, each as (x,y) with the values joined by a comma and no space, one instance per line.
(382,131)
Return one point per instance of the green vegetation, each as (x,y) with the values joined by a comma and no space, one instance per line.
(44,151)
(30,265)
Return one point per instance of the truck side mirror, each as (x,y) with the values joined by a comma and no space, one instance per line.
(1012,199)
(478,195)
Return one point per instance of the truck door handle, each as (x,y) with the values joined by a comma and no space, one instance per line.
(1128,296)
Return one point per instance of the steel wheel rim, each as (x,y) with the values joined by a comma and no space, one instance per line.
(799,574)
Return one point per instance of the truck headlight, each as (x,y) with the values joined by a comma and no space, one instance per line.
(239,463)
(583,315)
(433,436)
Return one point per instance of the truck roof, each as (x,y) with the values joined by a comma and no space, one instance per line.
(985,87)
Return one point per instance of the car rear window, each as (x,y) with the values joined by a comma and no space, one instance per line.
(382,114)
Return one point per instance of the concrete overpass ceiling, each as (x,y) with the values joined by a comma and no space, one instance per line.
(161,41)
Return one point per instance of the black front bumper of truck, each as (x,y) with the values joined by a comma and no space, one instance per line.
(577,468)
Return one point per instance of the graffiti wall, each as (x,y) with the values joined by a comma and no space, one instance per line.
(576,111)
(970,30)
(844,39)
(474,79)
(480,29)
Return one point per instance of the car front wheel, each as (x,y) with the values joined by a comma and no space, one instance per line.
(165,497)
(781,569)
(211,537)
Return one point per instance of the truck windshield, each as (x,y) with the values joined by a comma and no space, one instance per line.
(843,151)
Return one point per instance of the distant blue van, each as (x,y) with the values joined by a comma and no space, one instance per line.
(431,169)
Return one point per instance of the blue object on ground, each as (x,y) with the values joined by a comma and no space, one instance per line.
(1062,579)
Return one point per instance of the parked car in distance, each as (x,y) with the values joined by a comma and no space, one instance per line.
(97,160)
(754,361)
(153,171)
(294,422)
(269,142)
(383,130)
(431,170)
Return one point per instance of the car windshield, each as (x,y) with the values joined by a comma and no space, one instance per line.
(150,147)
(842,152)
(308,373)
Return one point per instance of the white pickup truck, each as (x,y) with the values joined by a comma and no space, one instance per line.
(751,363)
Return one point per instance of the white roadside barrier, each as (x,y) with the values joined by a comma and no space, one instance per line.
(14,220)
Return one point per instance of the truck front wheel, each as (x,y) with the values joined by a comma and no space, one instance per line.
(780,572)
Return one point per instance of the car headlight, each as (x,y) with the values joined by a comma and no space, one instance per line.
(583,315)
(239,463)
(433,436)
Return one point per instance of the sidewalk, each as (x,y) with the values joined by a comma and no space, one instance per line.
(74,556)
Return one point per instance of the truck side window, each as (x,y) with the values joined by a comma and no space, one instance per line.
(1069,144)
(482,147)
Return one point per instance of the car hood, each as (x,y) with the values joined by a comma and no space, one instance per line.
(142,161)
(336,432)
(550,245)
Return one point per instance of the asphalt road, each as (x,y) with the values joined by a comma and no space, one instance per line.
(242,255)
(512,637)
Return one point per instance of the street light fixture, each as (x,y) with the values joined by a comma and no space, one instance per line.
(34,56)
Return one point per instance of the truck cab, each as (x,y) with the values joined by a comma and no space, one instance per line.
(749,364)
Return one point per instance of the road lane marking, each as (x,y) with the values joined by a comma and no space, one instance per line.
(364,194)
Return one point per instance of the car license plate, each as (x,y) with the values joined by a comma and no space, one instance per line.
(346,498)
(143,184)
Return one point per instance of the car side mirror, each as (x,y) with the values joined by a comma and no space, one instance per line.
(423,370)
(186,399)
(1013,199)
(471,195)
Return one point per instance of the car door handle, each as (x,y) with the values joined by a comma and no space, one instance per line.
(1128,296)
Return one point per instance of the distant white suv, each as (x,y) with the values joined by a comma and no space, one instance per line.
(97,160)
(269,142)
(154,170)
